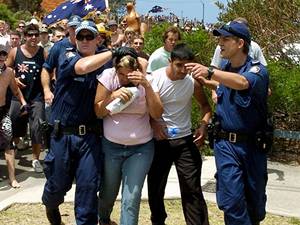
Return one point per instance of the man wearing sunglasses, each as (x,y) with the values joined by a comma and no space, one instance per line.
(27,61)
(239,126)
(75,147)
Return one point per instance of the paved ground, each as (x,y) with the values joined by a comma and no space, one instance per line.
(283,188)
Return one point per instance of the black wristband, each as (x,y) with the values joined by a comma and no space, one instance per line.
(210,72)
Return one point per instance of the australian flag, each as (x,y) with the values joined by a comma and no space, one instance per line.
(156,9)
(74,7)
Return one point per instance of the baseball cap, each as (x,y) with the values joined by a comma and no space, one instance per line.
(87,25)
(43,30)
(102,30)
(234,28)
(74,21)
(112,23)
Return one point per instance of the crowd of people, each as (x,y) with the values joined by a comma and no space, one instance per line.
(78,68)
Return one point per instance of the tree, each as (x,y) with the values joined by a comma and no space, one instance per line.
(273,23)
(7,15)
(28,5)
(118,7)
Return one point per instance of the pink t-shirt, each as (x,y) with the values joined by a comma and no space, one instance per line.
(131,126)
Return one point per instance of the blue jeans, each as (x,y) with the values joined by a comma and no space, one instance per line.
(129,164)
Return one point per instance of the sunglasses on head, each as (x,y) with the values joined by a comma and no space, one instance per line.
(87,37)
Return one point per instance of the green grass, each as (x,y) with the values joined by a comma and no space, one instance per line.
(34,214)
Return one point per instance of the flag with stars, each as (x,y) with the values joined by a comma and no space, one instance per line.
(156,9)
(74,7)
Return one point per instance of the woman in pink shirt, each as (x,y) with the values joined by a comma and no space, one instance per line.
(127,144)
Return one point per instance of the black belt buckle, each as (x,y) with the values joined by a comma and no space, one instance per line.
(232,137)
(82,130)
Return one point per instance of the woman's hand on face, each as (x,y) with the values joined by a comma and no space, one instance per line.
(123,94)
(136,77)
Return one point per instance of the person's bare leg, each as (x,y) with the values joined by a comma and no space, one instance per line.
(36,151)
(10,161)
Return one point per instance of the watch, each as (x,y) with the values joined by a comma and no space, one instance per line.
(211,72)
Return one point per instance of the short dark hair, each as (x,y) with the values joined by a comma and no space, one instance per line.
(182,52)
(246,47)
(173,30)
(16,33)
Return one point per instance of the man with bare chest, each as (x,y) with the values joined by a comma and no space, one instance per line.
(27,61)
(7,81)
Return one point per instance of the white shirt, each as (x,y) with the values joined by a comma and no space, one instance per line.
(176,97)
(158,59)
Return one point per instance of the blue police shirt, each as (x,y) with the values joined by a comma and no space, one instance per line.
(58,49)
(244,111)
(74,95)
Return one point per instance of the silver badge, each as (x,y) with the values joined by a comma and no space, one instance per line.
(254,69)
(70,54)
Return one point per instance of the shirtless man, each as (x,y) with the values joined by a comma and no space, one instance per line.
(7,79)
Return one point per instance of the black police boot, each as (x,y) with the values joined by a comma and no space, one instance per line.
(53,216)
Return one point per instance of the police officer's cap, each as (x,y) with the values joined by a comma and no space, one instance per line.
(87,25)
(74,21)
(234,28)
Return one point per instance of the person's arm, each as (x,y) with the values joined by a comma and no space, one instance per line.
(45,80)
(11,57)
(89,64)
(15,89)
(104,97)
(154,103)
(206,113)
(232,80)
(101,101)
(121,38)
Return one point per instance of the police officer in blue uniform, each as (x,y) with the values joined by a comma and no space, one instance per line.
(239,127)
(75,148)
(51,63)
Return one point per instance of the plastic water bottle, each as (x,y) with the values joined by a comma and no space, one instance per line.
(117,105)
(172,131)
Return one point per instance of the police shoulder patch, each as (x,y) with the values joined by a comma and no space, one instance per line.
(70,55)
(254,69)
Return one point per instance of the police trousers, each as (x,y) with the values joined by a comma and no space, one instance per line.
(188,162)
(241,182)
(74,157)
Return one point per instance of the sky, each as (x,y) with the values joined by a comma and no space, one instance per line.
(186,8)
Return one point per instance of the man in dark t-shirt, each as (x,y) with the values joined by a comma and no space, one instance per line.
(27,61)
